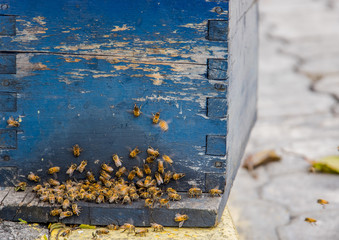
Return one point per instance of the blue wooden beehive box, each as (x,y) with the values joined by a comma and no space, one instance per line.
(70,70)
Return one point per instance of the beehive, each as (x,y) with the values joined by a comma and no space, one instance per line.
(71,70)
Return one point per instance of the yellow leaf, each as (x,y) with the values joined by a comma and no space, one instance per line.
(22,221)
(329,164)
(85,226)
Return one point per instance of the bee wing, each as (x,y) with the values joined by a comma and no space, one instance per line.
(177,215)
(181,223)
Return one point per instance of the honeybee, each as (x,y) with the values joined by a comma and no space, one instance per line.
(181,218)
(150,159)
(71,170)
(59,199)
(152,152)
(322,202)
(174,196)
(131,175)
(102,231)
(164,202)
(55,212)
(36,188)
(21,186)
(75,209)
(141,232)
(167,177)
(147,181)
(76,150)
(100,199)
(161,168)
(136,110)
(114,198)
(66,233)
(159,179)
(107,168)
(121,171)
(53,182)
(194,192)
(157,227)
(51,198)
(145,195)
(66,204)
(170,190)
(128,227)
(117,161)
(112,227)
(44,197)
(134,196)
(127,199)
(90,176)
(156,117)
(82,166)
(163,125)
(215,192)
(90,197)
(149,202)
(65,214)
(134,152)
(167,159)
(140,184)
(33,177)
(139,173)
(177,176)
(310,220)
(147,169)
(12,123)
(53,170)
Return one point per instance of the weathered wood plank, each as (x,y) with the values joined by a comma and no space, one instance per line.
(3,193)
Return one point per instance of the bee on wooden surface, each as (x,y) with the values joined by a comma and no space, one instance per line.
(163,125)
(107,168)
(159,179)
(51,198)
(117,161)
(145,195)
(155,118)
(66,204)
(140,184)
(66,233)
(76,150)
(194,192)
(128,227)
(136,110)
(149,202)
(59,199)
(126,199)
(322,202)
(150,159)
(174,196)
(71,170)
(152,152)
(121,171)
(134,152)
(75,209)
(12,123)
(215,192)
(181,218)
(131,175)
(141,232)
(161,168)
(36,188)
(138,171)
(90,176)
(167,177)
(157,227)
(153,190)
(164,202)
(148,181)
(33,177)
(82,166)
(112,226)
(147,169)
(134,196)
(310,220)
(55,212)
(53,170)
(114,198)
(53,182)
(90,197)
(100,199)
(21,186)
(170,190)
(102,231)
(65,214)
(167,159)
(177,176)
(44,197)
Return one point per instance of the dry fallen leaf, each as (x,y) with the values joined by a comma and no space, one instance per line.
(329,164)
(260,158)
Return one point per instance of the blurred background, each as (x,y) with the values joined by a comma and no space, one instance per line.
(298,118)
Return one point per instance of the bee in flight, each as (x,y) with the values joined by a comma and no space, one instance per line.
(310,220)
(181,218)
(33,177)
(322,202)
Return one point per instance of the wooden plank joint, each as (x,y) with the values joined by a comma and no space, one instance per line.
(216,145)
(8,139)
(7,24)
(217,69)
(217,30)
(8,101)
(216,107)
(7,63)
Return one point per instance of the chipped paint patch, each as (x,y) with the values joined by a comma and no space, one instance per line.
(72,60)
(198,26)
(29,32)
(40,20)
(104,75)
(123,28)
(157,78)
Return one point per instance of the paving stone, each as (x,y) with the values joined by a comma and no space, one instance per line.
(329,84)
(258,219)
(323,65)
(16,231)
(326,227)
(299,192)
